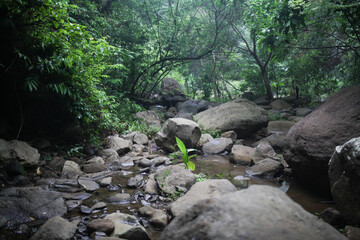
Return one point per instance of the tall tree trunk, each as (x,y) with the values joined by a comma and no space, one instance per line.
(264,74)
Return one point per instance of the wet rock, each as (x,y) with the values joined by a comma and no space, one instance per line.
(96,159)
(71,170)
(88,184)
(159,160)
(23,152)
(102,225)
(241,154)
(352,233)
(199,191)
(229,134)
(85,209)
(344,176)
(120,145)
(136,181)
(151,185)
(204,139)
(241,116)
(98,205)
(280,105)
(168,178)
(313,139)
(98,176)
(333,217)
(55,228)
(218,145)
(60,185)
(264,150)
(94,168)
(120,198)
(241,181)
(17,205)
(126,226)
(71,204)
(279,127)
(141,138)
(106,182)
(157,218)
(187,130)
(236,216)
(144,162)
(266,168)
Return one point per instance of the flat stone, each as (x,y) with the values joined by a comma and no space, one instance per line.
(120,198)
(102,225)
(55,228)
(98,205)
(136,181)
(106,182)
(85,209)
(71,170)
(88,184)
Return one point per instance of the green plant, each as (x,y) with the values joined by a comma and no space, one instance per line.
(201,177)
(219,175)
(174,155)
(75,152)
(213,133)
(188,164)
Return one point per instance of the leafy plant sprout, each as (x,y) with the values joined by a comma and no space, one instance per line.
(188,164)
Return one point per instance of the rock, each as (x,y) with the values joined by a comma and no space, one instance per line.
(85,209)
(191,107)
(352,233)
(171,92)
(144,162)
(135,182)
(344,176)
(90,149)
(249,96)
(19,150)
(120,145)
(151,118)
(259,212)
(76,196)
(218,145)
(204,139)
(97,176)
(242,154)
(333,217)
(279,127)
(151,185)
(88,184)
(101,225)
(302,112)
(313,139)
(277,141)
(17,205)
(264,150)
(171,112)
(187,130)
(99,205)
(241,116)
(94,167)
(262,101)
(126,226)
(241,181)
(159,160)
(141,138)
(229,134)
(266,168)
(120,198)
(209,188)
(96,159)
(106,182)
(55,228)
(280,105)
(109,154)
(158,218)
(168,178)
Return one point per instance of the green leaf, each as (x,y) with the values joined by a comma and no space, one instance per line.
(181,145)
(191,165)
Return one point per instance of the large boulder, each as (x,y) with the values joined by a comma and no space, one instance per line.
(241,115)
(313,139)
(217,145)
(19,150)
(259,212)
(344,176)
(280,105)
(17,205)
(187,130)
(171,92)
(56,228)
(120,145)
(199,191)
(170,178)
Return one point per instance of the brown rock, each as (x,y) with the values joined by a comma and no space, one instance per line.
(101,225)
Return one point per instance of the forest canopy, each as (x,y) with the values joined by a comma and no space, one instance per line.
(93,62)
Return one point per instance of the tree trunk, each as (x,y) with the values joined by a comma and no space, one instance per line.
(269,93)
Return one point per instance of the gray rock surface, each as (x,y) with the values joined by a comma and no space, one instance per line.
(55,228)
(259,212)
(14,149)
(199,191)
(344,176)
(241,115)
(168,178)
(279,127)
(157,218)
(186,130)
(141,138)
(204,139)
(71,170)
(241,154)
(17,205)
(120,145)
(266,168)
(313,139)
(280,105)
(151,118)
(217,145)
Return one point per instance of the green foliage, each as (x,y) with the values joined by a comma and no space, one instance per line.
(201,177)
(213,133)
(188,164)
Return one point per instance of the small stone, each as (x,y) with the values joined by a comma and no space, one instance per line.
(99,205)
(120,198)
(96,160)
(151,185)
(136,181)
(85,209)
(55,228)
(106,182)
(102,225)
(144,162)
(88,184)
(352,233)
(71,170)
(241,182)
